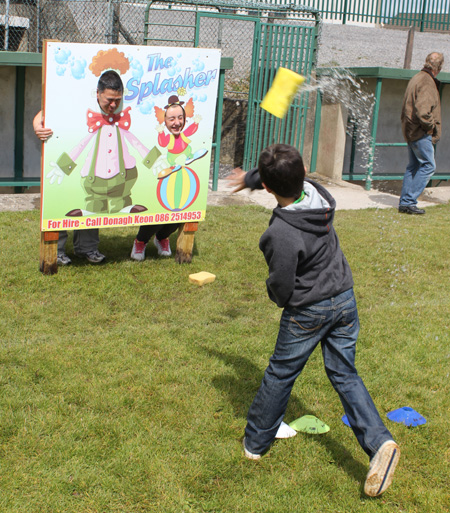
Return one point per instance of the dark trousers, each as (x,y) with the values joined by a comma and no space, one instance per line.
(162,231)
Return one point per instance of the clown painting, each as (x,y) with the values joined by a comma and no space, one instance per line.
(104,164)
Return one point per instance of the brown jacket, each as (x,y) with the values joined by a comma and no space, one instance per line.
(421,110)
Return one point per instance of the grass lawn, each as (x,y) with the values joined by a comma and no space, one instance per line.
(124,388)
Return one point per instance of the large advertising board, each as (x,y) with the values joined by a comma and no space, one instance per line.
(128,166)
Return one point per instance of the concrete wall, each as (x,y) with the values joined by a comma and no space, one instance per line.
(7,109)
(32,146)
(332,139)
(393,160)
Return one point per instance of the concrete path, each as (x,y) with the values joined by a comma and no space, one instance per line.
(348,197)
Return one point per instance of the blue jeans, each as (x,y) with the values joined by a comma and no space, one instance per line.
(333,322)
(419,170)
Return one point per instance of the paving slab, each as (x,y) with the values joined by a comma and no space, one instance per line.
(19,202)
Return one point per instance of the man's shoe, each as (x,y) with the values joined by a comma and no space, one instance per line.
(94,257)
(63,259)
(382,467)
(410,209)
(163,247)
(138,251)
(249,455)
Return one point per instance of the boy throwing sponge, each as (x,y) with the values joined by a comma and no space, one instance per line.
(309,278)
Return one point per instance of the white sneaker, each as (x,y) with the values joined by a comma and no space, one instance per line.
(163,247)
(381,470)
(249,455)
(285,431)
(138,251)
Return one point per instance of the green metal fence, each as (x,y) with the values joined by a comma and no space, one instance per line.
(260,37)
(24,24)
(426,15)
(278,45)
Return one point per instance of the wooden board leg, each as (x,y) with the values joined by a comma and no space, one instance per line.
(185,243)
(48,253)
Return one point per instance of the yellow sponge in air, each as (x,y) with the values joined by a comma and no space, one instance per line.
(202,278)
(283,89)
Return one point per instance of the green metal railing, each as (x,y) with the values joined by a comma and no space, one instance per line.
(287,46)
(426,15)
(260,37)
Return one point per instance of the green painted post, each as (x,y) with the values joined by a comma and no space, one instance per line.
(19,125)
(344,14)
(215,179)
(197,30)
(251,111)
(422,16)
(317,119)
(311,45)
(353,151)
(376,109)
(146,20)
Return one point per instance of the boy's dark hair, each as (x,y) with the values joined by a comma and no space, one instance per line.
(110,80)
(281,169)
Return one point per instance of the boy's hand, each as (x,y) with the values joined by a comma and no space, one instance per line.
(236,179)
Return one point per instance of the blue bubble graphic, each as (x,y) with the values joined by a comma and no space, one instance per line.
(78,68)
(62,56)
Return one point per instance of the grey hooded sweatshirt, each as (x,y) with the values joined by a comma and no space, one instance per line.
(301,248)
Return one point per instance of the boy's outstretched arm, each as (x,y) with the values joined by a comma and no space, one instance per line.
(237,179)
(241,180)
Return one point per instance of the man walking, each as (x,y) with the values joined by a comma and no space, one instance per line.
(421,126)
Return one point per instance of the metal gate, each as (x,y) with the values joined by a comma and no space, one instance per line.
(278,45)
(260,38)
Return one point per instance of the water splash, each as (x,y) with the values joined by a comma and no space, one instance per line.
(340,86)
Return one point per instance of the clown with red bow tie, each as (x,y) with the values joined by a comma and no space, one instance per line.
(109,171)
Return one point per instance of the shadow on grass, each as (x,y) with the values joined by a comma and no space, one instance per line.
(117,248)
(241,390)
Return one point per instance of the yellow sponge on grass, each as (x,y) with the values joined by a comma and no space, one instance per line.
(202,278)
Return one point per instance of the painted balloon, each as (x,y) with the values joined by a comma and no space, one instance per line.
(178,190)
